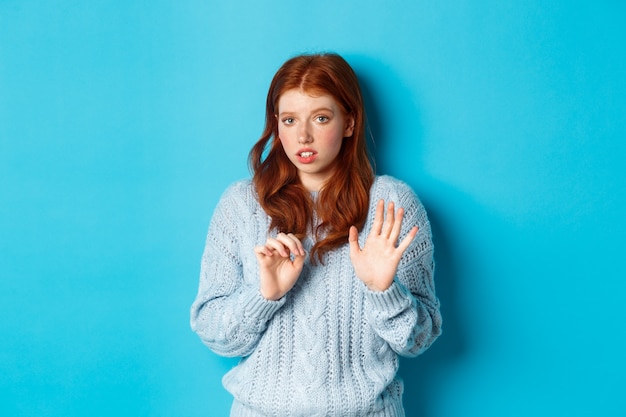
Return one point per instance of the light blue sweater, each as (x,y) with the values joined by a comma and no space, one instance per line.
(330,346)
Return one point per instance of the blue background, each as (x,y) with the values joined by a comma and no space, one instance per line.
(122,122)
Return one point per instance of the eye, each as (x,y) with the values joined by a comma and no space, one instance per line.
(322,119)
(288,120)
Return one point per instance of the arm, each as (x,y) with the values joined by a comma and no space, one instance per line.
(402,306)
(229,314)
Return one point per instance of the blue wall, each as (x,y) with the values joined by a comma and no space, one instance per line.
(122,122)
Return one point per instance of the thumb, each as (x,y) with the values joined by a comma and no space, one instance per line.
(353,239)
(298,261)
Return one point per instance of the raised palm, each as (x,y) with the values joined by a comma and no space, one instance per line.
(377,261)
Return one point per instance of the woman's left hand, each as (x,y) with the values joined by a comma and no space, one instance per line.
(376,263)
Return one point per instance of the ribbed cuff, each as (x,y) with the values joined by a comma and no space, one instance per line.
(394,298)
(257,308)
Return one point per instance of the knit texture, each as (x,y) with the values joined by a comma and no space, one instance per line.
(330,346)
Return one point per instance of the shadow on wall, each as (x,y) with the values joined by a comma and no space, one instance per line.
(389,104)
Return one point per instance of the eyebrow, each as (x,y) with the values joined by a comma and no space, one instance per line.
(319,109)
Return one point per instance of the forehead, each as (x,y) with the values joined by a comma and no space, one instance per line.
(300,100)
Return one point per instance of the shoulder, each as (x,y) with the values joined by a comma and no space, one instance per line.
(239,196)
(238,192)
(390,188)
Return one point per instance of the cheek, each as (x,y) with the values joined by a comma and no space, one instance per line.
(283,143)
(283,135)
(335,139)
(280,143)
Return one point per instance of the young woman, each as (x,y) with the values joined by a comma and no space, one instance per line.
(316,272)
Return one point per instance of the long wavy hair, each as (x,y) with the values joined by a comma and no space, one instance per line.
(343,200)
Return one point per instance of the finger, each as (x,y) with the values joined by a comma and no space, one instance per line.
(408,239)
(263,251)
(298,262)
(278,246)
(291,242)
(353,239)
(298,244)
(389,220)
(397,225)
(378,218)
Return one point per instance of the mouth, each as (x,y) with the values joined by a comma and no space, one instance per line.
(306,156)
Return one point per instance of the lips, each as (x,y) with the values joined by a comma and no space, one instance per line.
(306,156)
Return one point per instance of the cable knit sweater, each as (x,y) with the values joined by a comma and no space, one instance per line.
(330,346)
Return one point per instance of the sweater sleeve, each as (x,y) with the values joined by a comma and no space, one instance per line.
(229,313)
(407,314)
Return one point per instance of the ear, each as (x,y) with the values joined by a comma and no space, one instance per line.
(349,130)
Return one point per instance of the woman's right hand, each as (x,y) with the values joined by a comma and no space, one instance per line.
(278,271)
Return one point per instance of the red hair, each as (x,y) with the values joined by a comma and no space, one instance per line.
(343,201)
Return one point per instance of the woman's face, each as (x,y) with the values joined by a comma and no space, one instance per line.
(311,129)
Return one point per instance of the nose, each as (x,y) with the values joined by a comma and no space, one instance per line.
(304,133)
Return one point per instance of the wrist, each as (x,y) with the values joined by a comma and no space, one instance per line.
(378,287)
(378,284)
(271,295)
